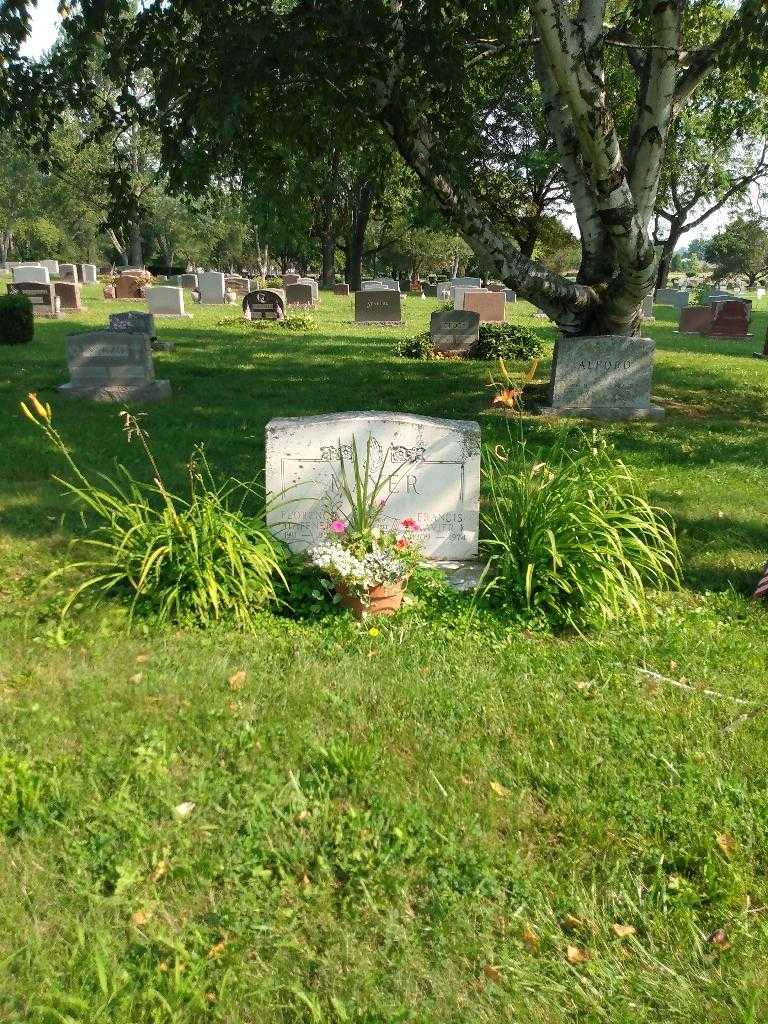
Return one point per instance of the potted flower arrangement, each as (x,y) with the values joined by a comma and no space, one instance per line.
(368,565)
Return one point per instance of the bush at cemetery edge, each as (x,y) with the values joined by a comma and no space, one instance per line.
(495,341)
(17,324)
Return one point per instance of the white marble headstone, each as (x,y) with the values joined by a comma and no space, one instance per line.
(436,481)
(31,275)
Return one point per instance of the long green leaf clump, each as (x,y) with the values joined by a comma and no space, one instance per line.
(571,538)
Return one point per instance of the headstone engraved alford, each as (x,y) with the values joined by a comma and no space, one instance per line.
(107,366)
(265,304)
(454,331)
(605,377)
(383,306)
(436,481)
(45,301)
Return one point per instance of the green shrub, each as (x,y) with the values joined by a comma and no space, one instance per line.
(570,538)
(419,347)
(274,282)
(197,558)
(495,341)
(506,341)
(17,324)
(295,321)
(26,790)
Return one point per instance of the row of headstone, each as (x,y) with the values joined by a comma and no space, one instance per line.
(41,273)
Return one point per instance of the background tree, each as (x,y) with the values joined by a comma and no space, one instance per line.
(740,250)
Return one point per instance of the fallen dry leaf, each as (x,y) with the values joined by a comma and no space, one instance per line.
(217,949)
(623,931)
(498,789)
(571,923)
(303,815)
(160,869)
(136,678)
(237,681)
(141,658)
(183,810)
(493,974)
(531,940)
(576,955)
(720,939)
(140,917)
(726,843)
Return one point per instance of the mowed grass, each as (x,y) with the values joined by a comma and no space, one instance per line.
(439,823)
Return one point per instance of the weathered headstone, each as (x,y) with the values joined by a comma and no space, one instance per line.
(129,286)
(88,273)
(238,284)
(265,304)
(454,331)
(311,283)
(31,275)
(299,295)
(605,377)
(459,291)
(290,279)
(490,305)
(730,319)
(672,297)
(646,311)
(166,301)
(45,301)
(695,319)
(429,290)
(133,321)
(371,286)
(69,294)
(187,281)
(467,282)
(107,366)
(212,288)
(436,481)
(52,266)
(341,289)
(383,306)
(68,272)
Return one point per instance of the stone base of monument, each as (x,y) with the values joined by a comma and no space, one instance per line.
(606,378)
(460,575)
(140,394)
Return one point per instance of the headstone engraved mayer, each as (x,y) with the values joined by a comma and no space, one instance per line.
(384,306)
(107,366)
(436,481)
(454,331)
(45,301)
(605,378)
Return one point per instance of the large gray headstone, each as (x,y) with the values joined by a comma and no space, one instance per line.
(186,281)
(43,297)
(164,300)
(68,272)
(436,481)
(384,306)
(454,331)
(212,288)
(31,275)
(606,377)
(299,295)
(88,273)
(111,366)
(672,297)
(132,322)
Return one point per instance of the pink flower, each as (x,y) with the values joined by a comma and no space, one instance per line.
(401,544)
(337,526)
(411,524)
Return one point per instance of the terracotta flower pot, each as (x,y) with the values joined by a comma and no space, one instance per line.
(385,599)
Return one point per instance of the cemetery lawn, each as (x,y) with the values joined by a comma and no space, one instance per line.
(448,818)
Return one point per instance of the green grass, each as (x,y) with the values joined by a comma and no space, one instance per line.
(383,823)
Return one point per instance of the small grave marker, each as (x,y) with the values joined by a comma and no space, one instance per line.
(454,331)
